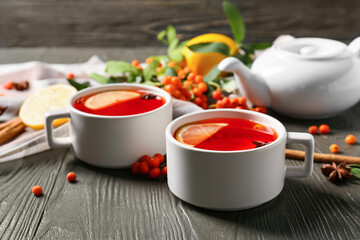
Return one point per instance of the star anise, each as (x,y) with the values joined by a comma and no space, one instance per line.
(336,173)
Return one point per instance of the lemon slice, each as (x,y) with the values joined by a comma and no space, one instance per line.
(109,98)
(49,98)
(193,134)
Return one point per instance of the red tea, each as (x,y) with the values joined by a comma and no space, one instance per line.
(225,134)
(119,102)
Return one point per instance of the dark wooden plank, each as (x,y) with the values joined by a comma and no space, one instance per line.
(136,23)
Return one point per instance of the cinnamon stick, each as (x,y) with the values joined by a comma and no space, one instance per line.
(322,157)
(11,129)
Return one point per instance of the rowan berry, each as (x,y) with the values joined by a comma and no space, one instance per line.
(350,139)
(216,94)
(197,92)
(71,177)
(160,157)
(202,87)
(154,173)
(37,190)
(170,88)
(242,101)
(191,77)
(164,171)
(145,158)
(148,60)
(198,78)
(135,62)
(70,76)
(144,167)
(135,169)
(334,148)
(154,162)
(226,102)
(313,129)
(324,129)
(198,101)
(172,64)
(234,102)
(8,85)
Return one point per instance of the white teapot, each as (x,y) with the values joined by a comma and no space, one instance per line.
(302,78)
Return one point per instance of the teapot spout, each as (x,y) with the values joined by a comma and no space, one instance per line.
(251,85)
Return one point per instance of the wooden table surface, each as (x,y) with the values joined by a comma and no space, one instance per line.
(114,204)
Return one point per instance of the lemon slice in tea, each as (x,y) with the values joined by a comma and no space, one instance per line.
(109,98)
(194,134)
(49,98)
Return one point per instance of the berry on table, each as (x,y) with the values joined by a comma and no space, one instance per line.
(350,139)
(8,84)
(160,157)
(145,158)
(154,173)
(313,129)
(37,190)
(144,168)
(154,162)
(216,94)
(324,129)
(135,169)
(70,76)
(71,177)
(164,171)
(334,148)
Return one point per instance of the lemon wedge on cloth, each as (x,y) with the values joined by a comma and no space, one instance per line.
(49,98)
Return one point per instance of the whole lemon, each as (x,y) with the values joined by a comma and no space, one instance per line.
(203,62)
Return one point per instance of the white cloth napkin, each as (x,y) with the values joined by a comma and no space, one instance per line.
(39,75)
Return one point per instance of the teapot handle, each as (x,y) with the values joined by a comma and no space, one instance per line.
(354,46)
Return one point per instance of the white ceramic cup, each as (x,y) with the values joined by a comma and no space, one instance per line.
(112,141)
(232,180)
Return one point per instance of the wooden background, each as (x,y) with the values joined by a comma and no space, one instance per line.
(116,23)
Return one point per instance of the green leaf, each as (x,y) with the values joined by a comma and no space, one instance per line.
(77,85)
(176,55)
(173,44)
(356,172)
(150,70)
(229,85)
(99,78)
(161,37)
(113,80)
(261,45)
(114,67)
(213,74)
(353,165)
(247,48)
(218,47)
(236,21)
(170,72)
(171,34)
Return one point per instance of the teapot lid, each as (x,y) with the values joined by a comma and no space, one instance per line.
(311,48)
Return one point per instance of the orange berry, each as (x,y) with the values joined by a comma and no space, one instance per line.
(135,169)
(242,101)
(216,94)
(170,88)
(203,87)
(145,158)
(186,92)
(135,62)
(198,78)
(198,101)
(37,190)
(191,77)
(176,82)
(204,105)
(181,74)
(154,173)
(186,69)
(234,102)
(71,177)
(70,76)
(8,85)
(334,148)
(187,84)
(160,157)
(144,167)
(166,80)
(197,92)
(226,102)
(158,69)
(154,162)
(164,171)
(219,104)
(350,139)
(172,64)
(324,129)
(148,60)
(313,129)
(177,93)
(138,67)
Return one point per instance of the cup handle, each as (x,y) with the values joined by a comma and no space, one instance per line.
(307,140)
(56,142)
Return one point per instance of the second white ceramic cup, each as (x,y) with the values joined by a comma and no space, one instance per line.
(112,141)
(232,180)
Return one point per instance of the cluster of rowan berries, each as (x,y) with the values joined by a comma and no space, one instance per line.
(153,166)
